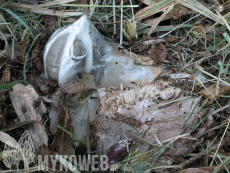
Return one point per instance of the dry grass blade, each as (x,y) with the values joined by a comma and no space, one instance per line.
(198,7)
(161,6)
(40,10)
(56,2)
(169,8)
(164,103)
(220,144)
(222,164)
(226,83)
(193,170)
(224,20)
(150,22)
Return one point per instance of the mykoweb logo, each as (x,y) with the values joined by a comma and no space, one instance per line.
(25,151)
(74,163)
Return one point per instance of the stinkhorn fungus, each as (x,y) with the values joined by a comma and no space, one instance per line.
(127,97)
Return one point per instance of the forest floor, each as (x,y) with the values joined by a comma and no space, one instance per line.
(187,41)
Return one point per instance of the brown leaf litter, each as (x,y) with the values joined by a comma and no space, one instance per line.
(45,86)
(158,52)
(213,92)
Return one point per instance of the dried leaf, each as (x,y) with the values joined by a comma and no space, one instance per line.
(6,75)
(210,93)
(50,22)
(172,39)
(158,53)
(199,29)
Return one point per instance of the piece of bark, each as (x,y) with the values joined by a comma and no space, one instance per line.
(29,106)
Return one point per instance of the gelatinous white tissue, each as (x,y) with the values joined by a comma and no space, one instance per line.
(80,52)
(81,49)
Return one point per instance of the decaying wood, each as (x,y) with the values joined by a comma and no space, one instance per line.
(29,106)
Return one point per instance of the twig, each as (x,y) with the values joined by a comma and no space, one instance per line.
(15,126)
(187,162)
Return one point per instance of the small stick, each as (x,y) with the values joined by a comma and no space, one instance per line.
(15,126)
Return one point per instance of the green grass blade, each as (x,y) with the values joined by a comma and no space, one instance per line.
(82,142)
(222,164)
(18,18)
(191,111)
(12,56)
(8,85)
(198,124)
(203,104)
(101,6)
(141,138)
(92,11)
(24,68)
(11,84)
